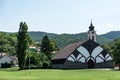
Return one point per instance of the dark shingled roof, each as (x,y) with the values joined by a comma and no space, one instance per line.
(66,51)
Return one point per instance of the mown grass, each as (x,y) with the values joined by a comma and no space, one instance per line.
(53,74)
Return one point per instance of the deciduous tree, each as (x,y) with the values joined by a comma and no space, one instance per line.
(116,53)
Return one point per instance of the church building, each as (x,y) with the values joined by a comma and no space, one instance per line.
(83,55)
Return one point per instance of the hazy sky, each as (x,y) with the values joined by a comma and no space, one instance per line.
(60,16)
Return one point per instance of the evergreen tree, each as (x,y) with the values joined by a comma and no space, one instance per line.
(46,46)
(22,46)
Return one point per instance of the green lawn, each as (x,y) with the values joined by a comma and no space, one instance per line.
(53,74)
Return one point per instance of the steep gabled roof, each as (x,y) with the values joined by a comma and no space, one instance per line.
(66,51)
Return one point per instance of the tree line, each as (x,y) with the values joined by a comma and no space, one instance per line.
(19,44)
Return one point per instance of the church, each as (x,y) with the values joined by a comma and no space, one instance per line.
(83,55)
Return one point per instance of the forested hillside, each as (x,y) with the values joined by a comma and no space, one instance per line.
(112,35)
(65,39)
(8,41)
(37,35)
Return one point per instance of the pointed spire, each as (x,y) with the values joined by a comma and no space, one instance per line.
(91,23)
(91,27)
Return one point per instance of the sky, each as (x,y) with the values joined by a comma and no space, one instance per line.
(60,16)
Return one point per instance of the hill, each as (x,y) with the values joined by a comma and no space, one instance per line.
(38,35)
(112,35)
(65,39)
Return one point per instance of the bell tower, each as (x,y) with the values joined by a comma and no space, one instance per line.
(92,32)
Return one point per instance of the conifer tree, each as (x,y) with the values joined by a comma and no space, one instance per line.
(46,46)
(22,46)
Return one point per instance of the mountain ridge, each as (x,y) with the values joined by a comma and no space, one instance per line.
(65,38)
(112,35)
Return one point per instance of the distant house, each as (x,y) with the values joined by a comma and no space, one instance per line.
(14,60)
(32,48)
(4,58)
(83,55)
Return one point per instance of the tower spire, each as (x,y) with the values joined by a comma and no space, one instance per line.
(91,32)
(91,23)
(91,27)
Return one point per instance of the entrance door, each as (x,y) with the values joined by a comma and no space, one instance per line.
(90,64)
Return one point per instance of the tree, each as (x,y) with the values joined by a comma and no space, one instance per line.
(7,43)
(107,48)
(47,46)
(53,45)
(22,46)
(116,53)
(37,59)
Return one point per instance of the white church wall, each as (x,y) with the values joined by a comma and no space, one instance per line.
(96,55)
(99,60)
(79,56)
(70,59)
(109,58)
(84,51)
(96,51)
(101,56)
(82,60)
(73,57)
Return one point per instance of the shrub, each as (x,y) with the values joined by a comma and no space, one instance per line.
(45,64)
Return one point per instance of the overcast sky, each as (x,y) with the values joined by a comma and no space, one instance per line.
(60,16)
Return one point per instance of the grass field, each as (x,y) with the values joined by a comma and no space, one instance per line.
(53,74)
